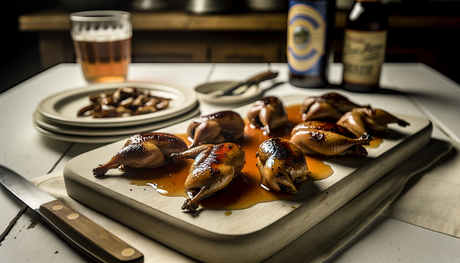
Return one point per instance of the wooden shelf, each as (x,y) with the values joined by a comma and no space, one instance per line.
(57,20)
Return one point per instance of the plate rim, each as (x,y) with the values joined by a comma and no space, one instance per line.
(254,92)
(54,127)
(77,139)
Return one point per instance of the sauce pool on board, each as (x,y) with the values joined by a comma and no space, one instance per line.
(245,190)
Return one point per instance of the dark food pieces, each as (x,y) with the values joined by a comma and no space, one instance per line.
(281,162)
(267,113)
(223,126)
(125,101)
(281,165)
(328,138)
(362,121)
(330,106)
(215,166)
(146,150)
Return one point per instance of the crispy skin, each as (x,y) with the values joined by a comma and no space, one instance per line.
(223,126)
(215,166)
(330,106)
(267,113)
(281,164)
(327,138)
(144,150)
(362,121)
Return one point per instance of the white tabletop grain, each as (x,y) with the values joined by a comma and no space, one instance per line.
(27,152)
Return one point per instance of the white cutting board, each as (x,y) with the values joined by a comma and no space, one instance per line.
(248,235)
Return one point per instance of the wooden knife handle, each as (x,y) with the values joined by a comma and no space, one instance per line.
(264,76)
(87,236)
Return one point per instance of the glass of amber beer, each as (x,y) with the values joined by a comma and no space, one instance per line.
(102,41)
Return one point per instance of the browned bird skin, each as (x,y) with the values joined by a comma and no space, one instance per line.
(339,102)
(215,166)
(362,121)
(144,150)
(330,106)
(323,126)
(267,113)
(281,164)
(326,138)
(219,127)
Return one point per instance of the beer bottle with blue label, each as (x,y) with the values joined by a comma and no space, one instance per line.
(309,37)
(364,46)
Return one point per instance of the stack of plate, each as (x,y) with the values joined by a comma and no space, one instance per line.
(56,116)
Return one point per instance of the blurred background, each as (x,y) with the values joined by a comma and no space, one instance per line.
(37,32)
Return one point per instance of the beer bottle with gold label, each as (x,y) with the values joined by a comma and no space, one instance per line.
(364,46)
(310,34)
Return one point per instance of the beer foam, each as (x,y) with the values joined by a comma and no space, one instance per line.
(102,35)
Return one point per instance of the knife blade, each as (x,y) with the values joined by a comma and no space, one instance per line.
(83,233)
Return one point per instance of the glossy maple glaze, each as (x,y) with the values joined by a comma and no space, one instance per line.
(245,190)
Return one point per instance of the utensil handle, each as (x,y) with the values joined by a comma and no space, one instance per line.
(251,81)
(262,77)
(87,236)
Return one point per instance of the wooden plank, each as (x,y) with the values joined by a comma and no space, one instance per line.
(23,149)
(48,20)
(11,210)
(171,20)
(390,240)
(435,94)
(245,21)
(57,20)
(31,240)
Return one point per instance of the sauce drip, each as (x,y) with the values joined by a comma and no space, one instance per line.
(245,190)
(375,142)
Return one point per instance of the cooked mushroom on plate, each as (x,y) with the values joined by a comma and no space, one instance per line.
(125,101)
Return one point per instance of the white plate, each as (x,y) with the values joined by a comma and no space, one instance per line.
(78,139)
(55,127)
(206,90)
(63,107)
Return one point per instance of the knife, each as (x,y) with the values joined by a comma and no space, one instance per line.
(248,83)
(87,236)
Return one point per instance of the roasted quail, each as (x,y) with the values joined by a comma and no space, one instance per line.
(281,165)
(144,150)
(215,166)
(362,121)
(223,126)
(327,138)
(330,106)
(267,113)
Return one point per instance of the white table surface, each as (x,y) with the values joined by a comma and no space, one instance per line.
(27,152)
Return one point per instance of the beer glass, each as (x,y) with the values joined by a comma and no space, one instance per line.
(102,42)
